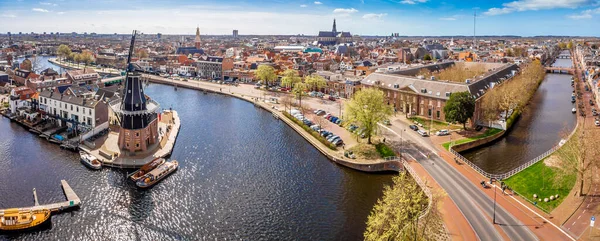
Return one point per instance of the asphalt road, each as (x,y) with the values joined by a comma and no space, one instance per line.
(475,205)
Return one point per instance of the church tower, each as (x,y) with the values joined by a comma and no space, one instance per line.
(334,30)
(197,40)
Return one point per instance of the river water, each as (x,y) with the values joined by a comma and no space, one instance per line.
(539,128)
(44,64)
(243,175)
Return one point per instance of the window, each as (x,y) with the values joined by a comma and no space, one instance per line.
(137,145)
(90,111)
(438,114)
(429,112)
(137,134)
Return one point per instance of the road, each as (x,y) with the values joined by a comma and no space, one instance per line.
(475,205)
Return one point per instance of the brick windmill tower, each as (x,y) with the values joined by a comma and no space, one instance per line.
(136,112)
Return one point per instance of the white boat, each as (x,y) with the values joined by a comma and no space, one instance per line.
(145,169)
(574,110)
(90,161)
(157,174)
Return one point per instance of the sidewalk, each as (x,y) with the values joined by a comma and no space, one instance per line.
(538,222)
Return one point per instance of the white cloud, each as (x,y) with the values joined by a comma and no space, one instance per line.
(6,15)
(534,5)
(60,13)
(374,15)
(303,6)
(411,2)
(345,10)
(48,4)
(448,19)
(585,14)
(318,3)
(41,10)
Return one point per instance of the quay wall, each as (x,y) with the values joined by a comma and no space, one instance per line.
(474,144)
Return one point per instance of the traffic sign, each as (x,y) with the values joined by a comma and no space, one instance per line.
(592,220)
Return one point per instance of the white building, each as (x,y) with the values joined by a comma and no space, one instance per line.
(88,112)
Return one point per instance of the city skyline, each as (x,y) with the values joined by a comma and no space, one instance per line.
(362,17)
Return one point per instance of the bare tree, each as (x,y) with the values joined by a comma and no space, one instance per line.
(577,156)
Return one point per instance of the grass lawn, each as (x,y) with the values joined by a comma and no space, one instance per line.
(384,150)
(539,179)
(488,132)
(437,125)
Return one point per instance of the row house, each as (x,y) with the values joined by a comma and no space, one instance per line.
(85,111)
(212,67)
(86,75)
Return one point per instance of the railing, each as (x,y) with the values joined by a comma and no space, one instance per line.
(151,106)
(513,171)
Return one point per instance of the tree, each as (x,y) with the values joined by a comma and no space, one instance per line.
(298,90)
(315,81)
(63,51)
(396,216)
(142,53)
(266,74)
(77,59)
(459,108)
(86,58)
(570,45)
(367,108)
(510,53)
(578,156)
(71,56)
(286,101)
(290,77)
(562,45)
(427,57)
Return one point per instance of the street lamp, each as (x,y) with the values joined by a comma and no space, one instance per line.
(494,217)
(430,117)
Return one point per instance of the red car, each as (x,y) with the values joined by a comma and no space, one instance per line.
(332,98)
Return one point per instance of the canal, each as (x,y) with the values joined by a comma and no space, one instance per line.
(243,175)
(44,64)
(539,128)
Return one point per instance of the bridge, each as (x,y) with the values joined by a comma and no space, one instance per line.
(560,70)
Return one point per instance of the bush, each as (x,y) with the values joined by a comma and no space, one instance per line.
(384,150)
(311,131)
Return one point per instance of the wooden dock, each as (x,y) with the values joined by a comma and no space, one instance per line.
(73,201)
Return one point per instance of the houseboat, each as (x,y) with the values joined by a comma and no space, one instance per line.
(18,220)
(90,161)
(157,174)
(145,169)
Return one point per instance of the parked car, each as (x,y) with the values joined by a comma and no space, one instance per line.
(331,138)
(327,116)
(597,123)
(422,133)
(591,102)
(333,119)
(338,122)
(324,133)
(331,98)
(387,122)
(442,133)
(315,127)
(414,127)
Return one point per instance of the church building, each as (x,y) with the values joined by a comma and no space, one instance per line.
(333,37)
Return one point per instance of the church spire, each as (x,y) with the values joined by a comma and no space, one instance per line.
(197,40)
(334,28)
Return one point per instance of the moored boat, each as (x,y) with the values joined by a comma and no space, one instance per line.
(148,167)
(18,220)
(157,174)
(90,161)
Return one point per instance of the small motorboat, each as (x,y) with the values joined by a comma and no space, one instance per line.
(574,110)
(137,175)
(90,161)
(157,174)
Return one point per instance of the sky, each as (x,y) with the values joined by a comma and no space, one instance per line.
(264,17)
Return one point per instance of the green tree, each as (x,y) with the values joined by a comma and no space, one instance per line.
(77,59)
(266,74)
(562,45)
(290,77)
(315,81)
(367,108)
(298,90)
(63,51)
(570,45)
(427,57)
(510,53)
(396,216)
(459,108)
(86,58)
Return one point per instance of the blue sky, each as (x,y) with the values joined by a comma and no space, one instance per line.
(363,17)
